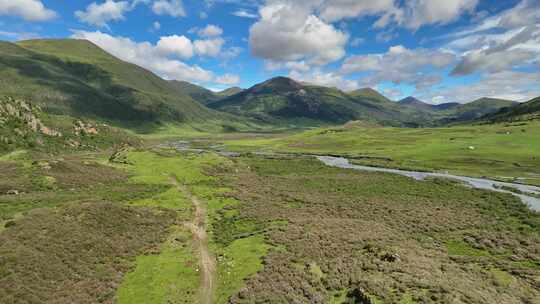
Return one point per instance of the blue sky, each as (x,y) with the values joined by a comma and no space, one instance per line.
(438,51)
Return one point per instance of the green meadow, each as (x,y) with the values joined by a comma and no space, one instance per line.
(507,151)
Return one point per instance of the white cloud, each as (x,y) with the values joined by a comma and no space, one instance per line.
(146,55)
(156,26)
(519,86)
(298,66)
(100,14)
(496,53)
(210,31)
(30,10)
(177,45)
(400,65)
(287,32)
(422,12)
(18,35)
(208,47)
(173,8)
(335,10)
(244,14)
(527,12)
(231,52)
(327,79)
(228,79)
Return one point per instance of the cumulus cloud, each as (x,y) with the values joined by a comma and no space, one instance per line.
(228,79)
(146,55)
(327,79)
(210,31)
(173,8)
(400,65)
(100,14)
(30,10)
(180,46)
(208,47)
(288,31)
(156,26)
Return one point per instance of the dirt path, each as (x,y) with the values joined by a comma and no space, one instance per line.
(207,262)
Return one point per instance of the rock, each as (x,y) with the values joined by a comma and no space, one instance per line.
(82,128)
(12,192)
(391,257)
(515,258)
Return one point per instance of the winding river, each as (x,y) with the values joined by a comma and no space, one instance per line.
(479,183)
(524,192)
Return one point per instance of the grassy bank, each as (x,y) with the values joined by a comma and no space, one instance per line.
(501,151)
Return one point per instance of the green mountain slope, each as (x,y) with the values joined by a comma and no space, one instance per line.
(197,93)
(229,92)
(524,111)
(284,100)
(371,94)
(474,110)
(77,78)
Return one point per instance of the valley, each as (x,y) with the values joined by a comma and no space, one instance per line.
(118,186)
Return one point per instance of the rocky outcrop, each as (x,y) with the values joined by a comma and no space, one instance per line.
(25,115)
(82,128)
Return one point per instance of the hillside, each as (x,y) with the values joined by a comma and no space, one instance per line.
(197,93)
(524,111)
(229,92)
(475,109)
(371,94)
(77,78)
(25,126)
(284,100)
(201,94)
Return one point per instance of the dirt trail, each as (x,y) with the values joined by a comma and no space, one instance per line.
(200,236)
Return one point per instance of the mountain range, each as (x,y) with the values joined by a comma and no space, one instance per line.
(77,78)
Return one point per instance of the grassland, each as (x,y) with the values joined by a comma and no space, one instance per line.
(80,193)
(357,237)
(281,229)
(499,151)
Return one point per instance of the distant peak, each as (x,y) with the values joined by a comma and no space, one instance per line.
(370,94)
(281,80)
(278,84)
(411,100)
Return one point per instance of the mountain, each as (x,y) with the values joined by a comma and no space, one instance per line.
(203,95)
(446,106)
(77,78)
(474,110)
(229,92)
(524,111)
(284,100)
(198,93)
(371,94)
(416,103)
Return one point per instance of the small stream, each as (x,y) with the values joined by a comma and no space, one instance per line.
(479,183)
(339,162)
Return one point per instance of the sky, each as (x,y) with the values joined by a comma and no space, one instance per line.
(436,50)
